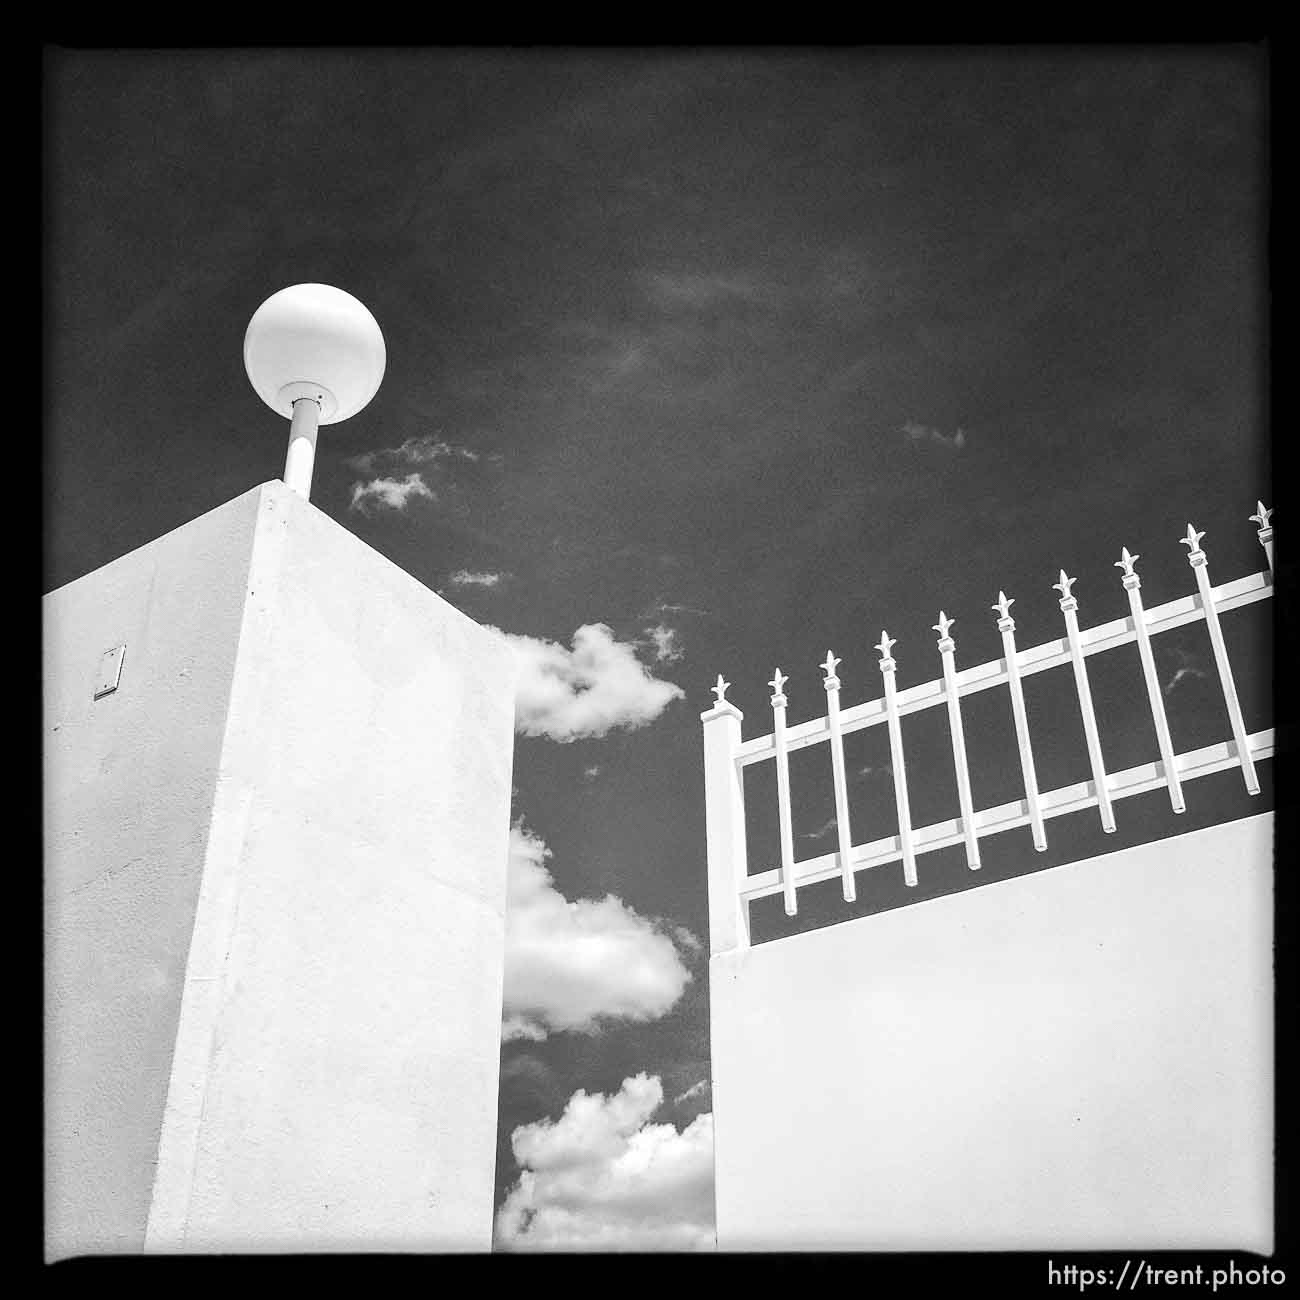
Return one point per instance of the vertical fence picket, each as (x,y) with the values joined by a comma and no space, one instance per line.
(887,667)
(1133,585)
(842,828)
(1069,607)
(783,793)
(1265,533)
(960,766)
(1007,626)
(1196,558)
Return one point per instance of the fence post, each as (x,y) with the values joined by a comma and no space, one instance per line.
(1069,607)
(1133,585)
(1007,626)
(1196,558)
(783,793)
(844,833)
(887,666)
(1265,533)
(724,817)
(946,647)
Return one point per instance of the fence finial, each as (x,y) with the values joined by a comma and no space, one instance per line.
(1064,586)
(884,645)
(943,625)
(1265,533)
(720,690)
(1126,561)
(829,665)
(1004,604)
(1192,541)
(776,683)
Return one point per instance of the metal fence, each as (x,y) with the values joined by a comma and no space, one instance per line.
(732,889)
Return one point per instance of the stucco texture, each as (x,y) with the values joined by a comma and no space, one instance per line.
(1080,1059)
(129,782)
(330,1080)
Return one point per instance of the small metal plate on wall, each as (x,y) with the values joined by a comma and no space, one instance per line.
(110,670)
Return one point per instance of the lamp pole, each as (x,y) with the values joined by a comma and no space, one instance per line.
(301,456)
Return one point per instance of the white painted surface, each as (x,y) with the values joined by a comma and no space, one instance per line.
(333,1082)
(313,340)
(300,459)
(128,795)
(1077,1059)
(724,805)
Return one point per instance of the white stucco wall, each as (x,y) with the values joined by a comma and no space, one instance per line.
(330,1075)
(129,781)
(1078,1059)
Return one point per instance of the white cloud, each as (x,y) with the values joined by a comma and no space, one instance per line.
(683,609)
(414,451)
(587,691)
(390,493)
(469,578)
(570,965)
(694,289)
(693,1091)
(825,829)
(602,1177)
(1187,667)
(513,1027)
(665,643)
(687,939)
(1179,675)
(918,433)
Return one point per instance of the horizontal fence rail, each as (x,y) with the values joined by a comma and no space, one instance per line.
(1007,816)
(732,889)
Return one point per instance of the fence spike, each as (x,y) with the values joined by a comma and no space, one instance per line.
(1126,562)
(720,690)
(1064,585)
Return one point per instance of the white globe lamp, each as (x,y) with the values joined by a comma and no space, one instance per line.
(315,355)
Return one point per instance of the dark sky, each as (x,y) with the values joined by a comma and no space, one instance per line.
(711,323)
